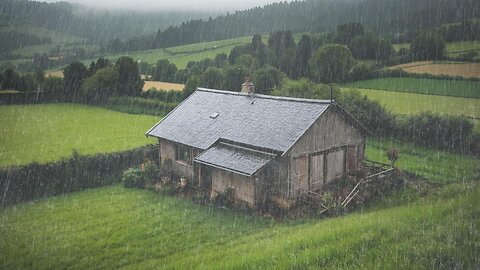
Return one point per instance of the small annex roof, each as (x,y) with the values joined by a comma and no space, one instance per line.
(258,120)
(235,158)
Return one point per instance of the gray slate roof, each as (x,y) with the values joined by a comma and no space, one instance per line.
(263,121)
(235,158)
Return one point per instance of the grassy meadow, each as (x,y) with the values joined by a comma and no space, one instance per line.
(433,165)
(454,88)
(115,227)
(181,55)
(49,132)
(411,103)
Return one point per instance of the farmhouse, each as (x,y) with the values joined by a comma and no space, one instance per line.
(264,148)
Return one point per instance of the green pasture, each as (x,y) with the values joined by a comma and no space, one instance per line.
(454,88)
(411,103)
(115,227)
(434,165)
(181,55)
(49,132)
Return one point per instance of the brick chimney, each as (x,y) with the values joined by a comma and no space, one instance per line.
(247,86)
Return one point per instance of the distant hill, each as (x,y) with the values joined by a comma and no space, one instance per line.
(381,16)
(96,26)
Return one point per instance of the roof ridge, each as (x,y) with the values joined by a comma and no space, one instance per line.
(281,98)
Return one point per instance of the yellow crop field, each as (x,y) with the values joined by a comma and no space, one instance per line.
(163,86)
(443,68)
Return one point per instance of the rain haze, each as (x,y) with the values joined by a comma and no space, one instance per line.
(254,134)
(159,5)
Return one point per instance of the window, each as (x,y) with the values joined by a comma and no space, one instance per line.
(183,154)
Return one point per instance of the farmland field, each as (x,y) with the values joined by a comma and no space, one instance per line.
(466,70)
(455,88)
(452,47)
(45,133)
(114,227)
(411,103)
(163,86)
(181,55)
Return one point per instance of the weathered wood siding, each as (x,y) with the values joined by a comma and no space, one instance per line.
(331,147)
(244,186)
(182,169)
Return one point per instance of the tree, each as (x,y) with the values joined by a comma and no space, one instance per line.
(267,78)
(236,52)
(428,45)
(212,78)
(258,49)
(346,32)
(303,53)
(165,71)
(128,80)
(11,80)
(74,74)
(280,42)
(220,59)
(331,64)
(234,77)
(100,86)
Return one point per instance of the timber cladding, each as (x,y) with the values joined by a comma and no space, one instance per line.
(243,186)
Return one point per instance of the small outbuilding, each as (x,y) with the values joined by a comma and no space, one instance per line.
(264,148)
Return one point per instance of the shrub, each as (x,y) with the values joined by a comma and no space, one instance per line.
(133,178)
(150,171)
(392,155)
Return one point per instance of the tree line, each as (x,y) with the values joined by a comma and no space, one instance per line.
(383,17)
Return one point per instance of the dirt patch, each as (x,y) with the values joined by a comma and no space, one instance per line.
(467,70)
(163,86)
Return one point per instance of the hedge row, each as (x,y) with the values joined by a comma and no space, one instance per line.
(451,133)
(366,72)
(138,105)
(29,98)
(78,172)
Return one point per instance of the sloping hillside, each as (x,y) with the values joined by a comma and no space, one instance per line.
(116,227)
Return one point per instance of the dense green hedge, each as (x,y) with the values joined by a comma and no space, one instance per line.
(138,105)
(32,181)
(451,133)
(366,72)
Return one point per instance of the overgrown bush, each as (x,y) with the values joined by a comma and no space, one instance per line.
(133,178)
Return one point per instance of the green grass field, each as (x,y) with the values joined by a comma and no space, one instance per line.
(181,55)
(436,166)
(411,103)
(455,88)
(114,227)
(45,133)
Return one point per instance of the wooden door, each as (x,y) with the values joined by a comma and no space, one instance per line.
(316,172)
(335,164)
(301,169)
